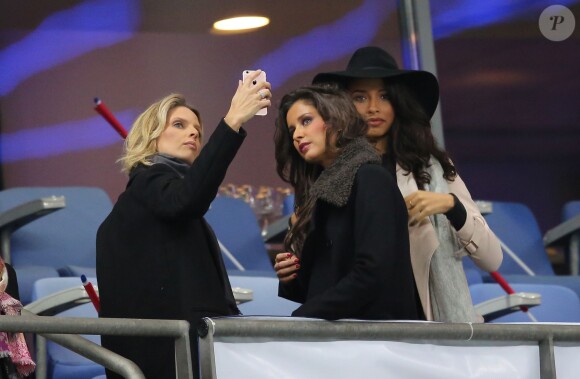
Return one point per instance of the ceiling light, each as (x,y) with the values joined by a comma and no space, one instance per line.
(241,23)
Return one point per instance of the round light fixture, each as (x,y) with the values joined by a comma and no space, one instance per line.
(241,23)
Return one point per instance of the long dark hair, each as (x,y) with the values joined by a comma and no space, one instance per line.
(410,140)
(343,125)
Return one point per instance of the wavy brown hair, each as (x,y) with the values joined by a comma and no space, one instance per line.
(343,125)
(410,139)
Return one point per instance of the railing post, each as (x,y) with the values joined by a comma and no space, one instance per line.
(206,353)
(547,359)
(41,364)
(183,369)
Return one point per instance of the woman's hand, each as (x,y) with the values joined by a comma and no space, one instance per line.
(248,99)
(286,266)
(422,204)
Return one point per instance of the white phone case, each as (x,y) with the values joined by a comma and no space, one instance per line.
(245,73)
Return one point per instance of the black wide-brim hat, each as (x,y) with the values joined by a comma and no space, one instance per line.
(373,62)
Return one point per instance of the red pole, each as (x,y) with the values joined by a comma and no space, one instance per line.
(92,293)
(107,115)
(504,284)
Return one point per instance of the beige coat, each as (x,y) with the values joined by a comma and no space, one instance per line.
(477,239)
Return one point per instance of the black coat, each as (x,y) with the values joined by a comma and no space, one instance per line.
(355,262)
(158,258)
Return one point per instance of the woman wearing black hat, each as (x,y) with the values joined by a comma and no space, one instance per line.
(444,222)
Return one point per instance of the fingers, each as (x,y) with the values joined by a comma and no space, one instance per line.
(264,93)
(257,81)
(248,100)
(422,204)
(253,78)
(286,266)
(417,216)
(419,206)
(412,208)
(256,84)
(282,257)
(411,200)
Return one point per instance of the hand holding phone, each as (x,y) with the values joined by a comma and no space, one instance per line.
(262,76)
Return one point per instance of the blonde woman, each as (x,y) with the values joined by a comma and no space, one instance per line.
(157,258)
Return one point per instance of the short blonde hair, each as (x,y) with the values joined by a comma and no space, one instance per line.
(141,142)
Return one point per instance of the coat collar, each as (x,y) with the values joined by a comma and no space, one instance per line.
(177,165)
(334,184)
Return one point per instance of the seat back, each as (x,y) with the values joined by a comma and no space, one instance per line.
(516,227)
(288,205)
(65,237)
(265,300)
(473,276)
(559,303)
(63,363)
(236,228)
(571,209)
(60,243)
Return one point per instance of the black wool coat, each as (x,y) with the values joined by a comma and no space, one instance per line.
(157,258)
(355,262)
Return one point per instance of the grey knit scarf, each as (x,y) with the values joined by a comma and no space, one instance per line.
(449,292)
(335,183)
(179,166)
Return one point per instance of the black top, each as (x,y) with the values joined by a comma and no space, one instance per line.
(355,261)
(158,258)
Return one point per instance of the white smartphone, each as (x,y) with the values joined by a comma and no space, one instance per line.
(262,76)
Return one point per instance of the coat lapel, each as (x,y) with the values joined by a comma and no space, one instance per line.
(423,242)
(215,252)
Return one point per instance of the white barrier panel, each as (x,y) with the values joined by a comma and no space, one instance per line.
(282,347)
(567,362)
(373,359)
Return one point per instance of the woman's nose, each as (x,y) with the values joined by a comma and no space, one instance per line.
(194,133)
(297,134)
(373,105)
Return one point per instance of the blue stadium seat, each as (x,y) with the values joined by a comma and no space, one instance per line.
(288,205)
(567,236)
(473,276)
(61,362)
(265,296)
(571,209)
(60,243)
(239,234)
(558,304)
(516,227)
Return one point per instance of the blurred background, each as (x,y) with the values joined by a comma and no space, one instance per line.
(509,97)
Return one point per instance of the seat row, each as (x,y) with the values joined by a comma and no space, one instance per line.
(60,242)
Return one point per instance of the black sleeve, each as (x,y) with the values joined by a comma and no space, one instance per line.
(169,196)
(374,197)
(457,215)
(292,290)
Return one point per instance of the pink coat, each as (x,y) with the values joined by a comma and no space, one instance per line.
(479,242)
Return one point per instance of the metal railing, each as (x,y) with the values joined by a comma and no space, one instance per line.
(63,331)
(458,334)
